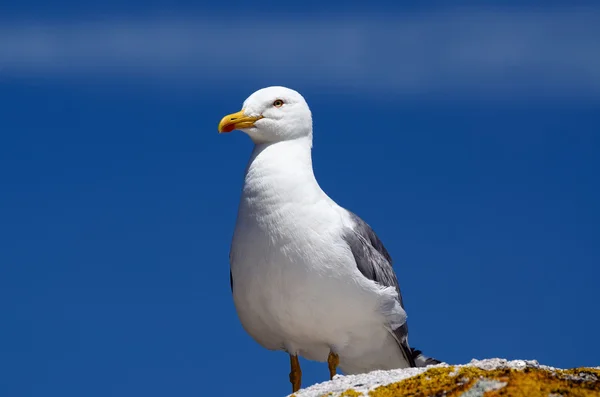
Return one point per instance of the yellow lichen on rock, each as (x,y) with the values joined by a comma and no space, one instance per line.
(530,382)
(430,383)
(351,393)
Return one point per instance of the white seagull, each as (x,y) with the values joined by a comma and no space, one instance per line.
(308,276)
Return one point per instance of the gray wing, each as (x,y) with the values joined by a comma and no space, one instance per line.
(375,263)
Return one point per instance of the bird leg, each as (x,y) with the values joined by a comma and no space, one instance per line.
(295,373)
(332,361)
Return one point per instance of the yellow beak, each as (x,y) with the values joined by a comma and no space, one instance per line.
(237,121)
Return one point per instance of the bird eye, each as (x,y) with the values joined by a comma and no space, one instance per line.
(278,103)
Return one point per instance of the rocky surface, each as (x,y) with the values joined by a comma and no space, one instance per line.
(489,378)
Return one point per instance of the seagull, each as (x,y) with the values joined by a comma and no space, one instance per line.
(308,276)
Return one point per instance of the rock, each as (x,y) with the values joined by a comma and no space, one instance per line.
(489,378)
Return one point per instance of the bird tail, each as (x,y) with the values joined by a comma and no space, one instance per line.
(422,360)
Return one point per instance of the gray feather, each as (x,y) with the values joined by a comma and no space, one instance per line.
(375,263)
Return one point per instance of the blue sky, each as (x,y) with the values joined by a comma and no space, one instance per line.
(467,137)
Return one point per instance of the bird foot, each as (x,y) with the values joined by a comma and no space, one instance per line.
(295,373)
(333,361)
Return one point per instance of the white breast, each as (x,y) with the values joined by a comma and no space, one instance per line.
(296,286)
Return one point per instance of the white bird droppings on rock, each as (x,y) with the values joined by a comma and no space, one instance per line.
(482,386)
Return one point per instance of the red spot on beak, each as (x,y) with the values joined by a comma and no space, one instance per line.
(228,128)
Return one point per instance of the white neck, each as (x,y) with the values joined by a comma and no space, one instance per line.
(280,173)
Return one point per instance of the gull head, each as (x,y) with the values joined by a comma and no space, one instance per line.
(270,115)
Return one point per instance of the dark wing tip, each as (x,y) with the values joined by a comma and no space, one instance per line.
(422,360)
